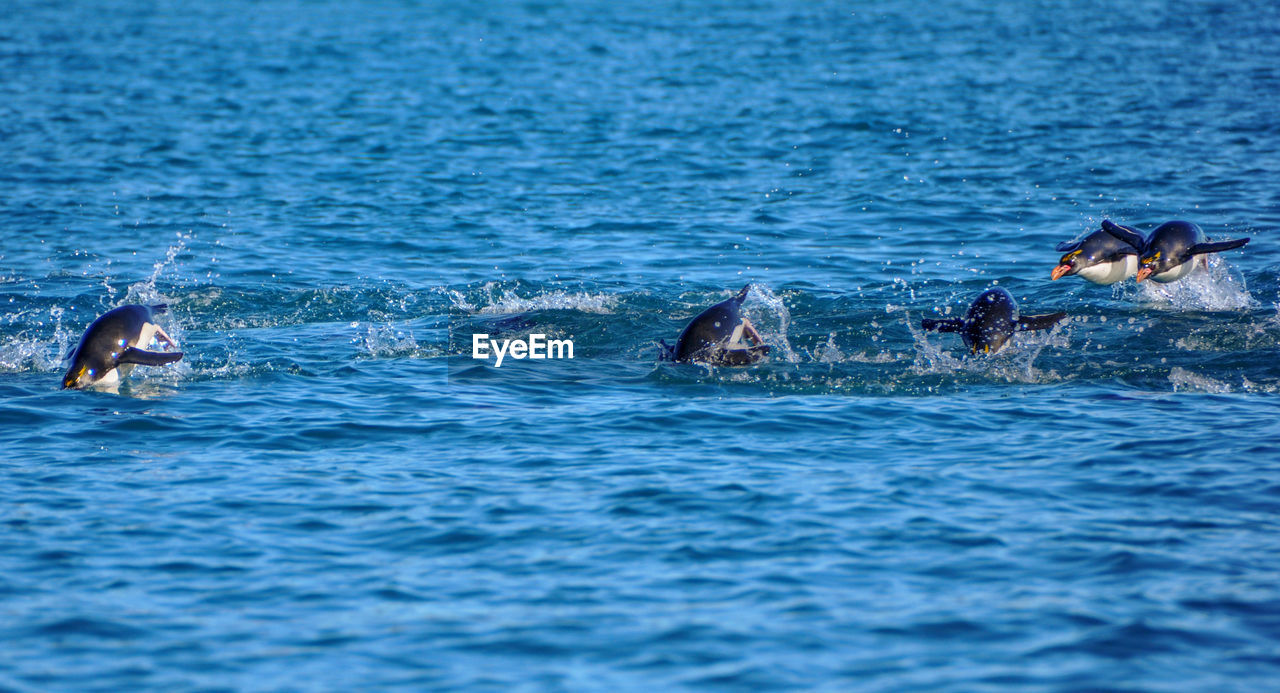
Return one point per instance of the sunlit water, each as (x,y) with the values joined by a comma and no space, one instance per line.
(328,493)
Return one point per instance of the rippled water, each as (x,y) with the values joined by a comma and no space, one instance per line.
(327,493)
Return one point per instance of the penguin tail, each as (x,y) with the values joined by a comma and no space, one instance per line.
(1202,248)
(1039,322)
(947,325)
(148,358)
(742,295)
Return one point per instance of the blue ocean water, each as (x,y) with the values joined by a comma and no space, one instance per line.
(328,494)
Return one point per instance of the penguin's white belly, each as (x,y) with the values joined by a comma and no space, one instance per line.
(145,336)
(1176,273)
(1111,272)
(112,378)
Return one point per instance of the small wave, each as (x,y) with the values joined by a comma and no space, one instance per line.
(494,300)
(554,300)
(829,352)
(85,627)
(1186,381)
(233,369)
(385,341)
(1225,336)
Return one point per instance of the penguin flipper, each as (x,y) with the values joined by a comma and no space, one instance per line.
(148,358)
(742,295)
(160,308)
(1124,233)
(947,325)
(666,352)
(1039,322)
(1202,248)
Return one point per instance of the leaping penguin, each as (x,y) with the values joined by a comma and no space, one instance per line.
(720,336)
(115,343)
(990,321)
(1169,253)
(1099,257)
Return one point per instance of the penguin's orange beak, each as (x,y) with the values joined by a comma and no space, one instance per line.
(1059,272)
(1143,273)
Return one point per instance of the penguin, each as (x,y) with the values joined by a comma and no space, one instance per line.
(719,336)
(1169,253)
(114,344)
(990,321)
(1099,257)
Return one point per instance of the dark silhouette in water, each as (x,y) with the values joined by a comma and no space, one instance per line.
(719,336)
(991,320)
(114,343)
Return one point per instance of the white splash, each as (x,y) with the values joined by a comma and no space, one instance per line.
(1217,288)
(509,302)
(144,292)
(41,353)
(459,301)
(1013,363)
(600,304)
(1186,381)
(767,311)
(828,352)
(386,341)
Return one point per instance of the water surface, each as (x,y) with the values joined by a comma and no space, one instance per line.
(327,494)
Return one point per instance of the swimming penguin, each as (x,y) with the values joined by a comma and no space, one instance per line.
(991,320)
(1099,257)
(1169,253)
(719,336)
(114,343)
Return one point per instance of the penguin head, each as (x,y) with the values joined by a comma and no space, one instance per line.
(1169,246)
(1155,262)
(87,369)
(79,375)
(1070,263)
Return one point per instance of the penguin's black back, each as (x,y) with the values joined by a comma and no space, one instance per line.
(1101,246)
(991,318)
(111,333)
(1175,238)
(712,326)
